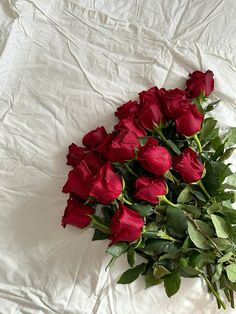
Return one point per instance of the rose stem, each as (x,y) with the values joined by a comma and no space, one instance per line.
(164,139)
(99,225)
(126,201)
(232,298)
(209,272)
(204,189)
(195,137)
(205,235)
(130,170)
(227,294)
(164,199)
(216,294)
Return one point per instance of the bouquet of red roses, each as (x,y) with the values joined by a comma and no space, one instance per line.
(158,187)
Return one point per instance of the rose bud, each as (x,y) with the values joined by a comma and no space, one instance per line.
(79,181)
(188,166)
(190,122)
(127,110)
(76,214)
(95,138)
(175,102)
(75,155)
(154,158)
(200,82)
(151,111)
(107,185)
(121,146)
(149,189)
(126,225)
(130,125)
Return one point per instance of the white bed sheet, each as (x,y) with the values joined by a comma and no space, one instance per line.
(64,67)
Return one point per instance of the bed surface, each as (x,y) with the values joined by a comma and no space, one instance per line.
(64,68)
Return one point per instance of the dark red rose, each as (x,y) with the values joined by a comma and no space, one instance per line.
(151,111)
(76,214)
(149,96)
(127,110)
(94,161)
(79,181)
(95,138)
(188,166)
(148,189)
(130,125)
(121,146)
(154,158)
(190,122)
(75,155)
(200,82)
(126,225)
(175,102)
(107,185)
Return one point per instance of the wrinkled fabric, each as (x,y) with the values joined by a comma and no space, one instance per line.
(65,66)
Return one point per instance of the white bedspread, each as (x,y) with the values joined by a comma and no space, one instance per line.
(65,65)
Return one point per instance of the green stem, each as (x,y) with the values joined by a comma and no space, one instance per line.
(126,201)
(99,225)
(232,298)
(195,137)
(205,235)
(209,272)
(130,170)
(216,294)
(164,199)
(204,189)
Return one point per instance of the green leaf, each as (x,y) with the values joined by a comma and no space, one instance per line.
(230,138)
(212,106)
(220,226)
(99,235)
(150,279)
(176,222)
(172,283)
(174,147)
(231,272)
(131,256)
(217,273)
(161,246)
(198,195)
(197,237)
(143,210)
(231,180)
(225,257)
(208,126)
(132,274)
(203,259)
(184,196)
(227,154)
(219,151)
(223,244)
(230,213)
(117,249)
(160,271)
(213,208)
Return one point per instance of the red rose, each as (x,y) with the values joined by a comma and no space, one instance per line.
(149,96)
(121,146)
(126,225)
(93,161)
(188,166)
(200,82)
(190,122)
(148,189)
(79,181)
(127,110)
(76,214)
(107,185)
(151,111)
(154,158)
(130,125)
(75,155)
(175,102)
(95,138)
